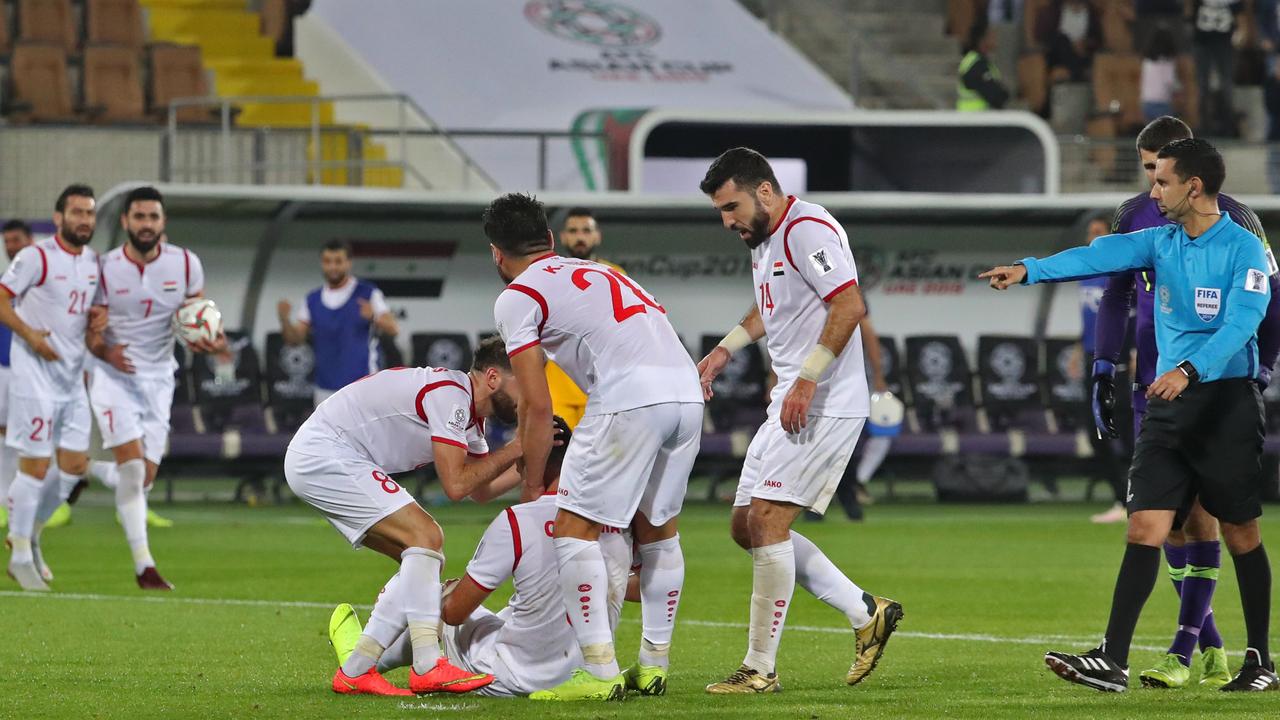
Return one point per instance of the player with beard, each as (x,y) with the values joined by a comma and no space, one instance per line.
(131,382)
(341,461)
(56,281)
(808,306)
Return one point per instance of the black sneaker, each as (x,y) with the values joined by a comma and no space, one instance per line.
(1093,669)
(1253,675)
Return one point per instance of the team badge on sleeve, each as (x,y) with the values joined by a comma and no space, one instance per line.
(458,419)
(1255,281)
(821,262)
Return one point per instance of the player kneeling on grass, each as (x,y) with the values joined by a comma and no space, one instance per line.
(528,645)
(341,461)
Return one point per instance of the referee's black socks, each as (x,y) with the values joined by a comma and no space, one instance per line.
(1138,573)
(1253,572)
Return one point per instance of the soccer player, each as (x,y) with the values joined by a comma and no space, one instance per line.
(1203,429)
(1192,549)
(342,318)
(635,445)
(808,305)
(341,461)
(17,235)
(528,645)
(131,381)
(56,282)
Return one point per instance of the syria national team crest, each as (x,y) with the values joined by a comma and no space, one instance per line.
(1208,303)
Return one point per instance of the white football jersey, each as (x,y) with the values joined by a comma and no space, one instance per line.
(56,287)
(536,643)
(805,262)
(609,335)
(392,418)
(141,300)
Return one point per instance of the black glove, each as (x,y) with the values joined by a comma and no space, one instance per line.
(1264,377)
(1104,398)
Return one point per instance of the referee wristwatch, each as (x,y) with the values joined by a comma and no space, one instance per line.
(1193,375)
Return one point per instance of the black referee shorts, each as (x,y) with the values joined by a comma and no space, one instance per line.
(1207,442)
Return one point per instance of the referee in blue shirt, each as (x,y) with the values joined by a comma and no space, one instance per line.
(1204,426)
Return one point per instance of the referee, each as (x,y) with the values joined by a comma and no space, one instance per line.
(1204,425)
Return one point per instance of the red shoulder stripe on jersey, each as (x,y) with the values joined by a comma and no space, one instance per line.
(448,441)
(44,266)
(540,258)
(537,297)
(477,583)
(517,548)
(6,287)
(186,259)
(524,347)
(102,277)
(787,234)
(417,403)
(791,200)
(838,290)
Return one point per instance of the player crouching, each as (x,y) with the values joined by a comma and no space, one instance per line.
(526,646)
(341,461)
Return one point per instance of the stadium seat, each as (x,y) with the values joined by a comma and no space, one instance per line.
(226,388)
(943,407)
(390,351)
(40,85)
(177,71)
(51,21)
(447,350)
(739,401)
(116,22)
(891,362)
(290,383)
(1013,397)
(113,84)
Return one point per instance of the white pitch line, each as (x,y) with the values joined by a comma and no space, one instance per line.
(309,605)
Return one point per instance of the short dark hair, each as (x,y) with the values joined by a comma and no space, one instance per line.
(491,353)
(1162,131)
(18,225)
(579,212)
(1196,157)
(142,194)
(517,224)
(73,190)
(556,458)
(744,166)
(336,245)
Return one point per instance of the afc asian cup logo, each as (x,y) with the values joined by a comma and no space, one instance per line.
(595,22)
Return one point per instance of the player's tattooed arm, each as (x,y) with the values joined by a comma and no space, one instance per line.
(461,476)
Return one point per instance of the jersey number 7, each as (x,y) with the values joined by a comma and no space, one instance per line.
(616,281)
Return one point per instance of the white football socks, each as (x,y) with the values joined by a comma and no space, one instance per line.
(106,472)
(616,550)
(773,580)
(8,469)
(24,501)
(386,628)
(661,584)
(584,587)
(131,506)
(875,448)
(51,496)
(816,573)
(420,597)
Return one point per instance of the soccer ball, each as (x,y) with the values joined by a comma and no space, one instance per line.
(886,415)
(198,319)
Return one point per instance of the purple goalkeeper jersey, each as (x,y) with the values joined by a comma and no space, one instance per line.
(1139,213)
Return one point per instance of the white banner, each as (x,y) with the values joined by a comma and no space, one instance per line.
(548,64)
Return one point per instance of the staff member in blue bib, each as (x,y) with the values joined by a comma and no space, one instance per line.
(1204,425)
(343,317)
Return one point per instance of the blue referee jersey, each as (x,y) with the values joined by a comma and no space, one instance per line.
(1211,291)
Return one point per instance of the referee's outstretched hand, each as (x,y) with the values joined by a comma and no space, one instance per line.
(1002,276)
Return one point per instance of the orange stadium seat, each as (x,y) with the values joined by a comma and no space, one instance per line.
(113,84)
(49,21)
(178,71)
(40,83)
(116,22)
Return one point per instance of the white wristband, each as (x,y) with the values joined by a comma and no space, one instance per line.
(817,363)
(737,339)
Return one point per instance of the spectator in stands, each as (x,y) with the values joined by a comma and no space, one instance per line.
(1153,15)
(1159,75)
(1267,14)
(342,318)
(1071,32)
(979,87)
(1214,23)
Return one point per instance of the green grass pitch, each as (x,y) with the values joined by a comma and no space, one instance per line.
(986,590)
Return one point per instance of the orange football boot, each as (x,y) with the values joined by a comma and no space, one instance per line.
(445,677)
(370,683)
